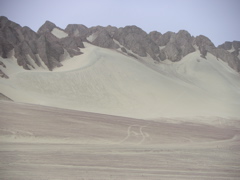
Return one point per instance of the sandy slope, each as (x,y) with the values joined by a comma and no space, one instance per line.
(39,142)
(105,81)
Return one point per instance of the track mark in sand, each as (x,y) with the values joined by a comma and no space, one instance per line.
(15,132)
(143,135)
(128,135)
(131,132)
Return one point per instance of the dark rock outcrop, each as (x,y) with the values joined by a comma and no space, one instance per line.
(236,45)
(51,48)
(27,46)
(111,30)
(21,52)
(5,47)
(179,45)
(233,47)
(77,30)
(205,45)
(5,98)
(229,45)
(11,32)
(46,27)
(3,75)
(227,57)
(165,38)
(104,37)
(72,45)
(162,56)
(156,37)
(137,40)
(29,34)
(2,64)
(172,52)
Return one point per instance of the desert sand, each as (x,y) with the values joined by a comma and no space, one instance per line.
(104,115)
(107,81)
(39,142)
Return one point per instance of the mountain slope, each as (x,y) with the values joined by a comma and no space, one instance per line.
(107,81)
(119,71)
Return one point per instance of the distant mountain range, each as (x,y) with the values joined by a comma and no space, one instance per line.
(119,71)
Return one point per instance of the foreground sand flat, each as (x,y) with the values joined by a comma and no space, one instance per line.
(38,142)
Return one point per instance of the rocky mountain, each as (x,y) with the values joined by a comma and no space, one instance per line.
(51,44)
(119,71)
(27,45)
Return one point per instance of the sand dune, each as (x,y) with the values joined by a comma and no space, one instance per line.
(171,120)
(106,81)
(38,142)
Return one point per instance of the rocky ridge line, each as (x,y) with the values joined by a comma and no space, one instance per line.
(51,44)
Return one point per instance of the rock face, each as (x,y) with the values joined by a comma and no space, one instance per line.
(232,60)
(138,41)
(77,30)
(46,27)
(5,47)
(103,38)
(227,45)
(52,44)
(179,45)
(156,37)
(205,45)
(232,47)
(235,45)
(29,45)
(3,75)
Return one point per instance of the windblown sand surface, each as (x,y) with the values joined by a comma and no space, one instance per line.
(38,142)
(109,82)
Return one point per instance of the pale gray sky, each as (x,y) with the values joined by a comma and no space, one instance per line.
(216,19)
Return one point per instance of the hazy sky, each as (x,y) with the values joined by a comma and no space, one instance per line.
(216,19)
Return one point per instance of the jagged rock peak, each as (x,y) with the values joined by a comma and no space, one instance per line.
(51,43)
(183,36)
(235,45)
(202,40)
(46,27)
(178,45)
(77,30)
(227,45)
(3,18)
(104,39)
(233,48)
(133,29)
(3,21)
(43,46)
(156,37)
(204,45)
(165,38)
(137,40)
(29,34)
